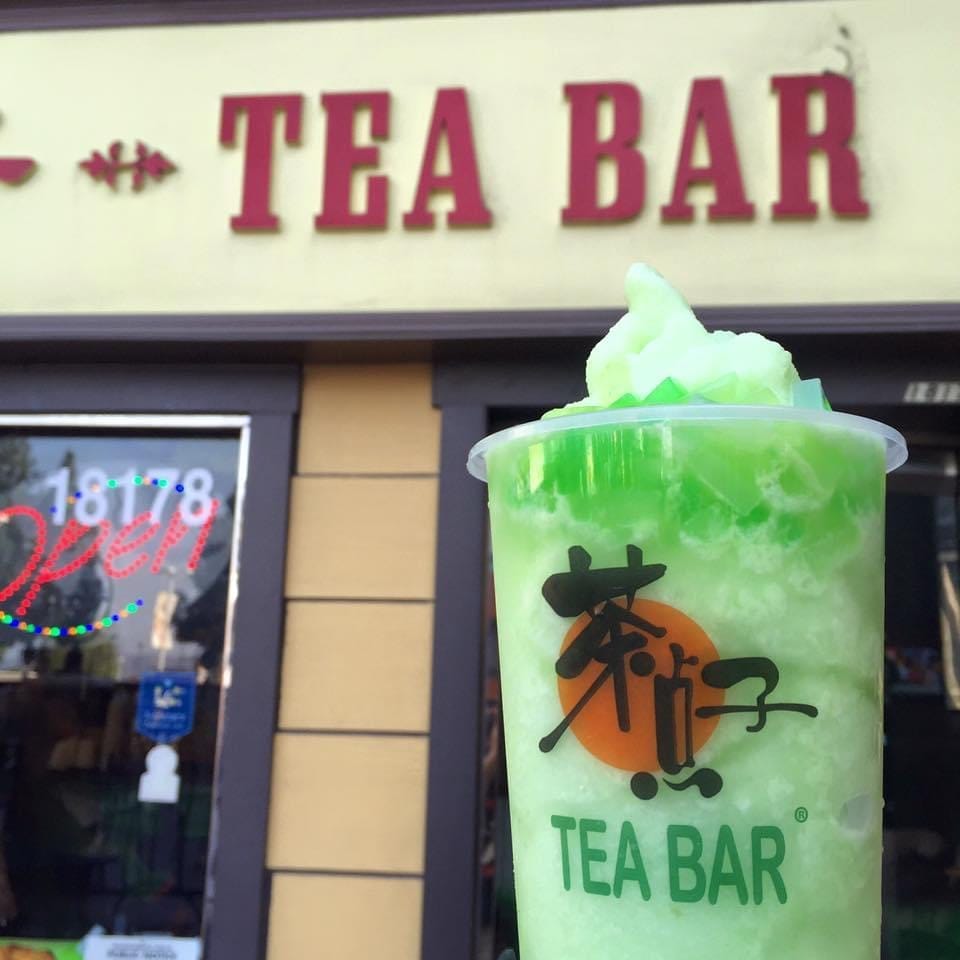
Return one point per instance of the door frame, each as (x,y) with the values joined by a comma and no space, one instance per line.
(468,386)
(267,396)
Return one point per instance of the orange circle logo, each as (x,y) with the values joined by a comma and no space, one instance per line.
(634,686)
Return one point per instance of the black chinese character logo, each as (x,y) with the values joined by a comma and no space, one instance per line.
(641,684)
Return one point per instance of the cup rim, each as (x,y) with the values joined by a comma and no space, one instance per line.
(894,442)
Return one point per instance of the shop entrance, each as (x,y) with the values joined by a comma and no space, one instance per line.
(117,544)
(139,653)
(922,712)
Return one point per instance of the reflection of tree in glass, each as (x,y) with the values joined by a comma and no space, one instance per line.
(75,599)
(84,599)
(15,547)
(203,620)
(16,463)
(16,543)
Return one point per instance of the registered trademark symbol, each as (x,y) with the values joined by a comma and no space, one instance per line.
(801,814)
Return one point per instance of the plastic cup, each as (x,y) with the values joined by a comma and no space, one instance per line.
(690,618)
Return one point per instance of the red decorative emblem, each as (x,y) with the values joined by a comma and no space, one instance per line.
(14,170)
(146,163)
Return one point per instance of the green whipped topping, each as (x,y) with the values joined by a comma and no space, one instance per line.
(658,352)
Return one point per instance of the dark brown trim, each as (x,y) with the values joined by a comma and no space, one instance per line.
(451,874)
(240,882)
(460,324)
(158,388)
(62,14)
(855,373)
(269,395)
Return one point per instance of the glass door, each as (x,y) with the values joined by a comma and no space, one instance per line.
(922,712)
(118,538)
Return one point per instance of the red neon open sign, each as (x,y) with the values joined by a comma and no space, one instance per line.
(89,534)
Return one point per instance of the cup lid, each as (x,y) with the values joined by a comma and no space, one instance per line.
(896,446)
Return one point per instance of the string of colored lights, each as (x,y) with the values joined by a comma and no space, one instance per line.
(139,481)
(81,629)
(113,484)
(78,630)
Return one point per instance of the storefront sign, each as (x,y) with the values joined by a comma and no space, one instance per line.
(708,116)
(775,154)
(146,165)
(451,132)
(681,711)
(15,170)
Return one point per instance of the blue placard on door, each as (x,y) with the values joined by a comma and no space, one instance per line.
(165,706)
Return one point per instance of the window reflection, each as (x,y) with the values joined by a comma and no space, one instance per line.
(498,920)
(114,564)
(922,731)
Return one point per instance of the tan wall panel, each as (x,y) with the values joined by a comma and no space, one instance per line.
(348,803)
(362,537)
(327,685)
(347,918)
(368,419)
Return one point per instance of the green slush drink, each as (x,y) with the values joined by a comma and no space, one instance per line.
(690,607)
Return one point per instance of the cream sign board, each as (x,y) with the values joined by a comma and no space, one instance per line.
(758,153)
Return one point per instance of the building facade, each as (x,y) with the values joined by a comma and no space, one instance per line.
(286,262)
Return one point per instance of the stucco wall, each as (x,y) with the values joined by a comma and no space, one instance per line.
(347,819)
